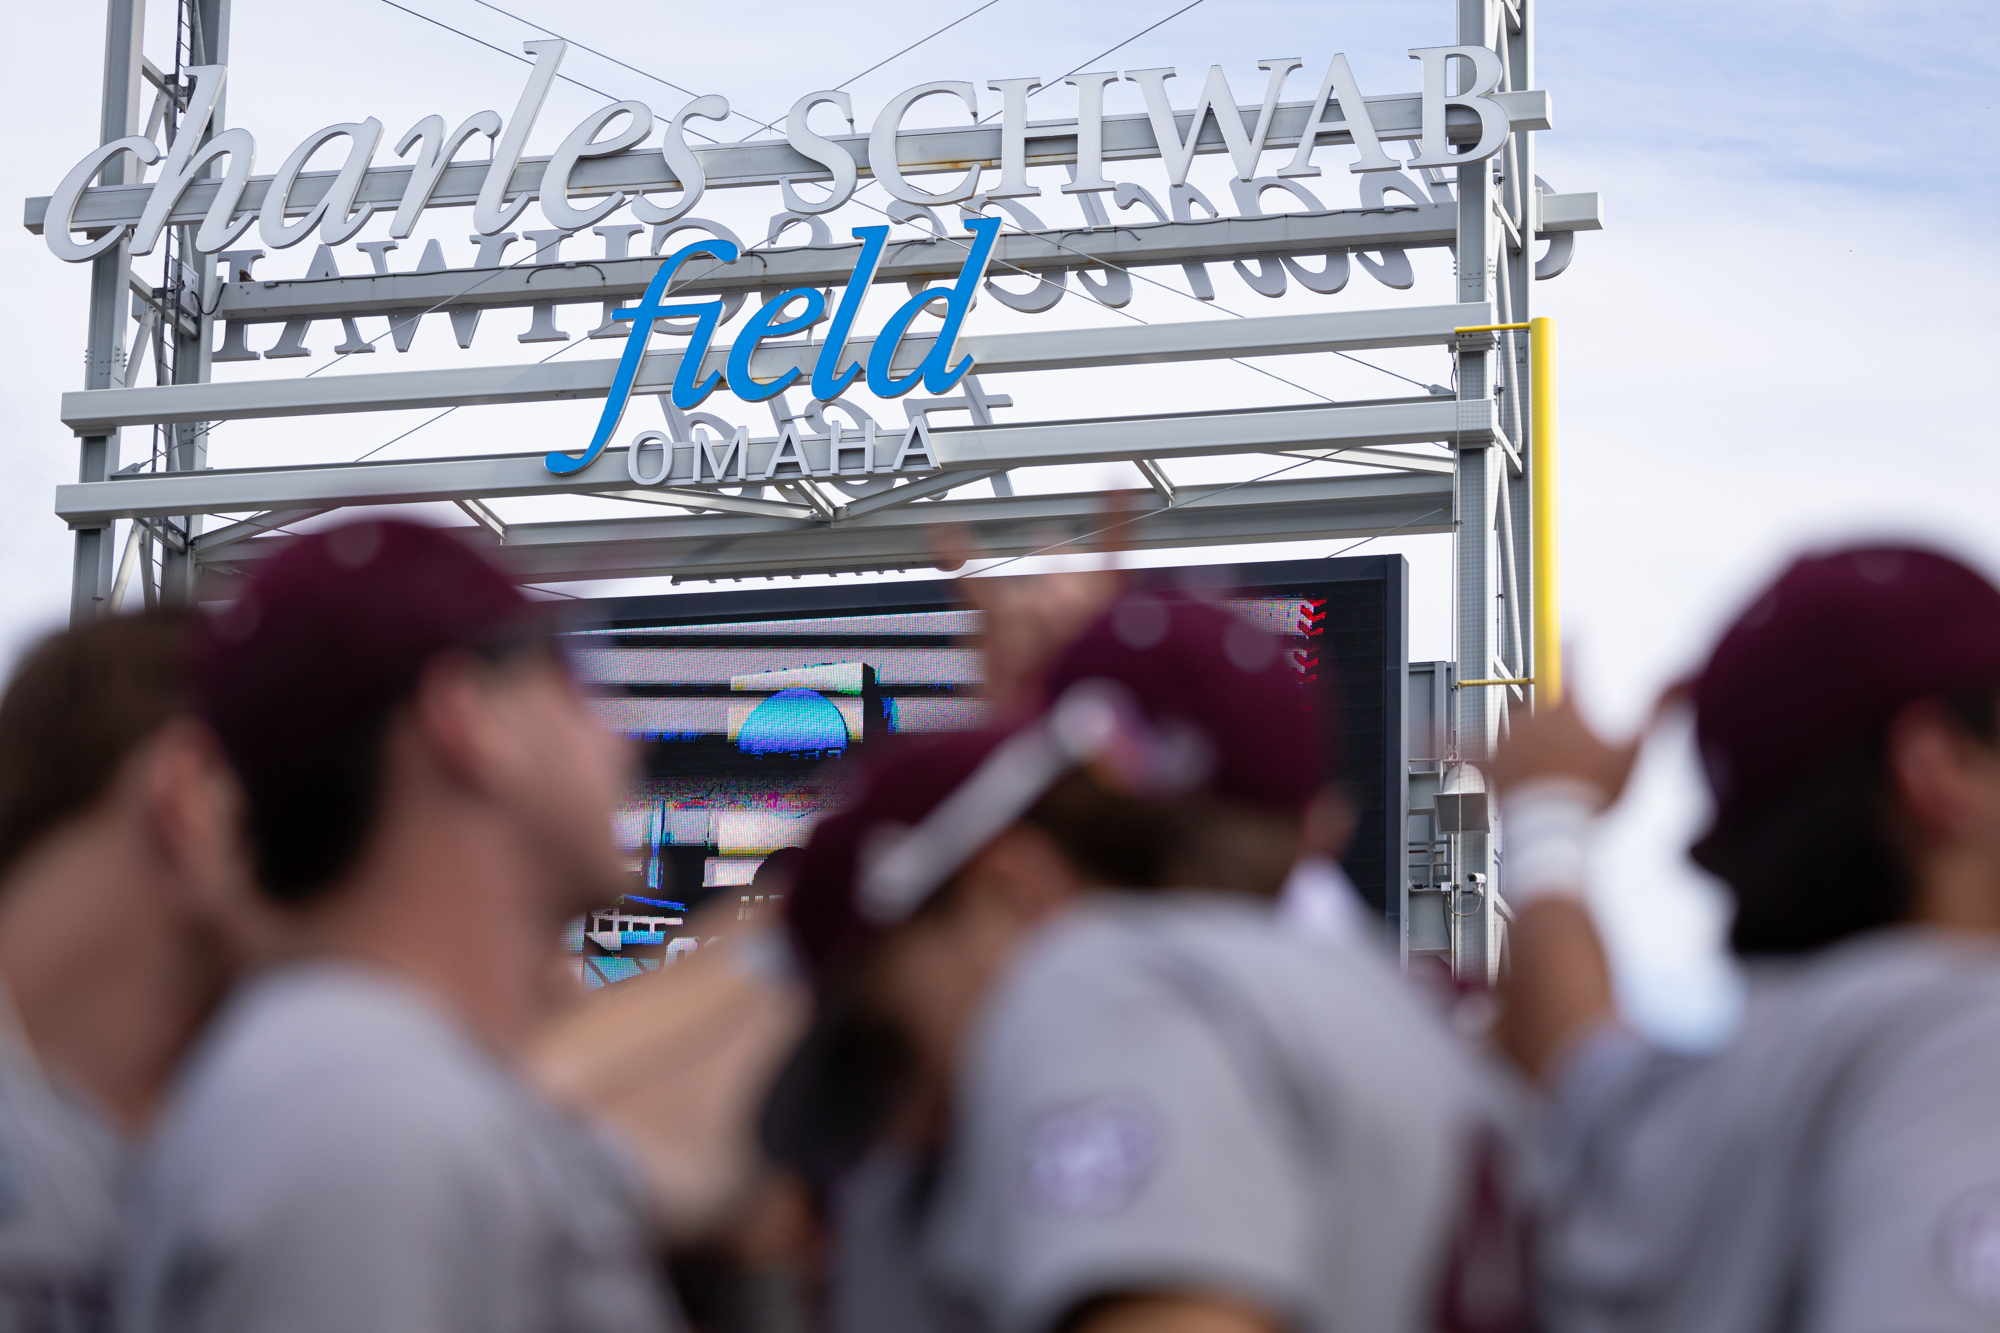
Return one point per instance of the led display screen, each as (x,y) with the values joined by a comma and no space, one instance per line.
(752,709)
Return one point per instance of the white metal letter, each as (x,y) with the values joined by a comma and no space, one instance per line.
(633,468)
(821,150)
(492,213)
(1013,137)
(680,160)
(186,163)
(1487,72)
(434,154)
(789,450)
(62,204)
(1339,84)
(882,145)
(581,143)
(916,444)
(839,448)
(332,209)
(739,450)
(1090,131)
(1178,153)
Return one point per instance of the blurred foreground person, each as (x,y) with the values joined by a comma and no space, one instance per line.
(678,1062)
(121,893)
(1127,1096)
(1835,1168)
(1026,620)
(429,800)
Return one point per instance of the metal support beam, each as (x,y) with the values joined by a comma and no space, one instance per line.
(767,161)
(921,489)
(1394,459)
(1144,245)
(90,574)
(257,525)
(186,442)
(966,452)
(993,353)
(1482,472)
(725,545)
(712,502)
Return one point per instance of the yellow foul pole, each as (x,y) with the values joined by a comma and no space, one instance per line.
(1542,508)
(1548,677)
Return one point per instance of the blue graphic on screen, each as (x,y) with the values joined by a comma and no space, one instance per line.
(609,971)
(792,722)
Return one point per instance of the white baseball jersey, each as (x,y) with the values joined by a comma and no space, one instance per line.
(1835,1169)
(1173,1092)
(342,1158)
(60,1166)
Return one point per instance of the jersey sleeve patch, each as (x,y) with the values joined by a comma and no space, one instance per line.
(1970,1241)
(1091,1160)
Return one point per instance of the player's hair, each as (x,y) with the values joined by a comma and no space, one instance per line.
(1192,841)
(81,701)
(1823,863)
(1113,839)
(309,825)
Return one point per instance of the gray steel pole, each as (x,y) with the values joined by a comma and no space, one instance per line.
(1482,472)
(193,357)
(90,578)
(1518,47)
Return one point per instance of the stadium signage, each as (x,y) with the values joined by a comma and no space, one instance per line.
(223,160)
(829,379)
(847,456)
(335,205)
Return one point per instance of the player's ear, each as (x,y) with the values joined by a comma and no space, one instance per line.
(193,809)
(171,791)
(1926,758)
(1328,825)
(1030,872)
(458,715)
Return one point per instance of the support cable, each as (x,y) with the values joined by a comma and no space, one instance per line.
(601,55)
(1127,272)
(962,245)
(886,59)
(510,54)
(1101,54)
(1116,268)
(1185,505)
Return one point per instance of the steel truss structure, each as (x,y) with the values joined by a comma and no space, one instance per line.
(829,517)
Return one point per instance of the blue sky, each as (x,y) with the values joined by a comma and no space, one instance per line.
(1869,97)
(1782,338)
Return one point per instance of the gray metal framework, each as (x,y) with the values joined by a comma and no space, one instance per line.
(770,161)
(209,524)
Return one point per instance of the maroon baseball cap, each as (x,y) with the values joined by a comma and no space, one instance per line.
(338,625)
(1825,657)
(829,930)
(919,815)
(829,1099)
(1205,677)
(929,805)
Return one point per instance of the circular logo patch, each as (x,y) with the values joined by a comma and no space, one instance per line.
(1091,1160)
(1970,1239)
